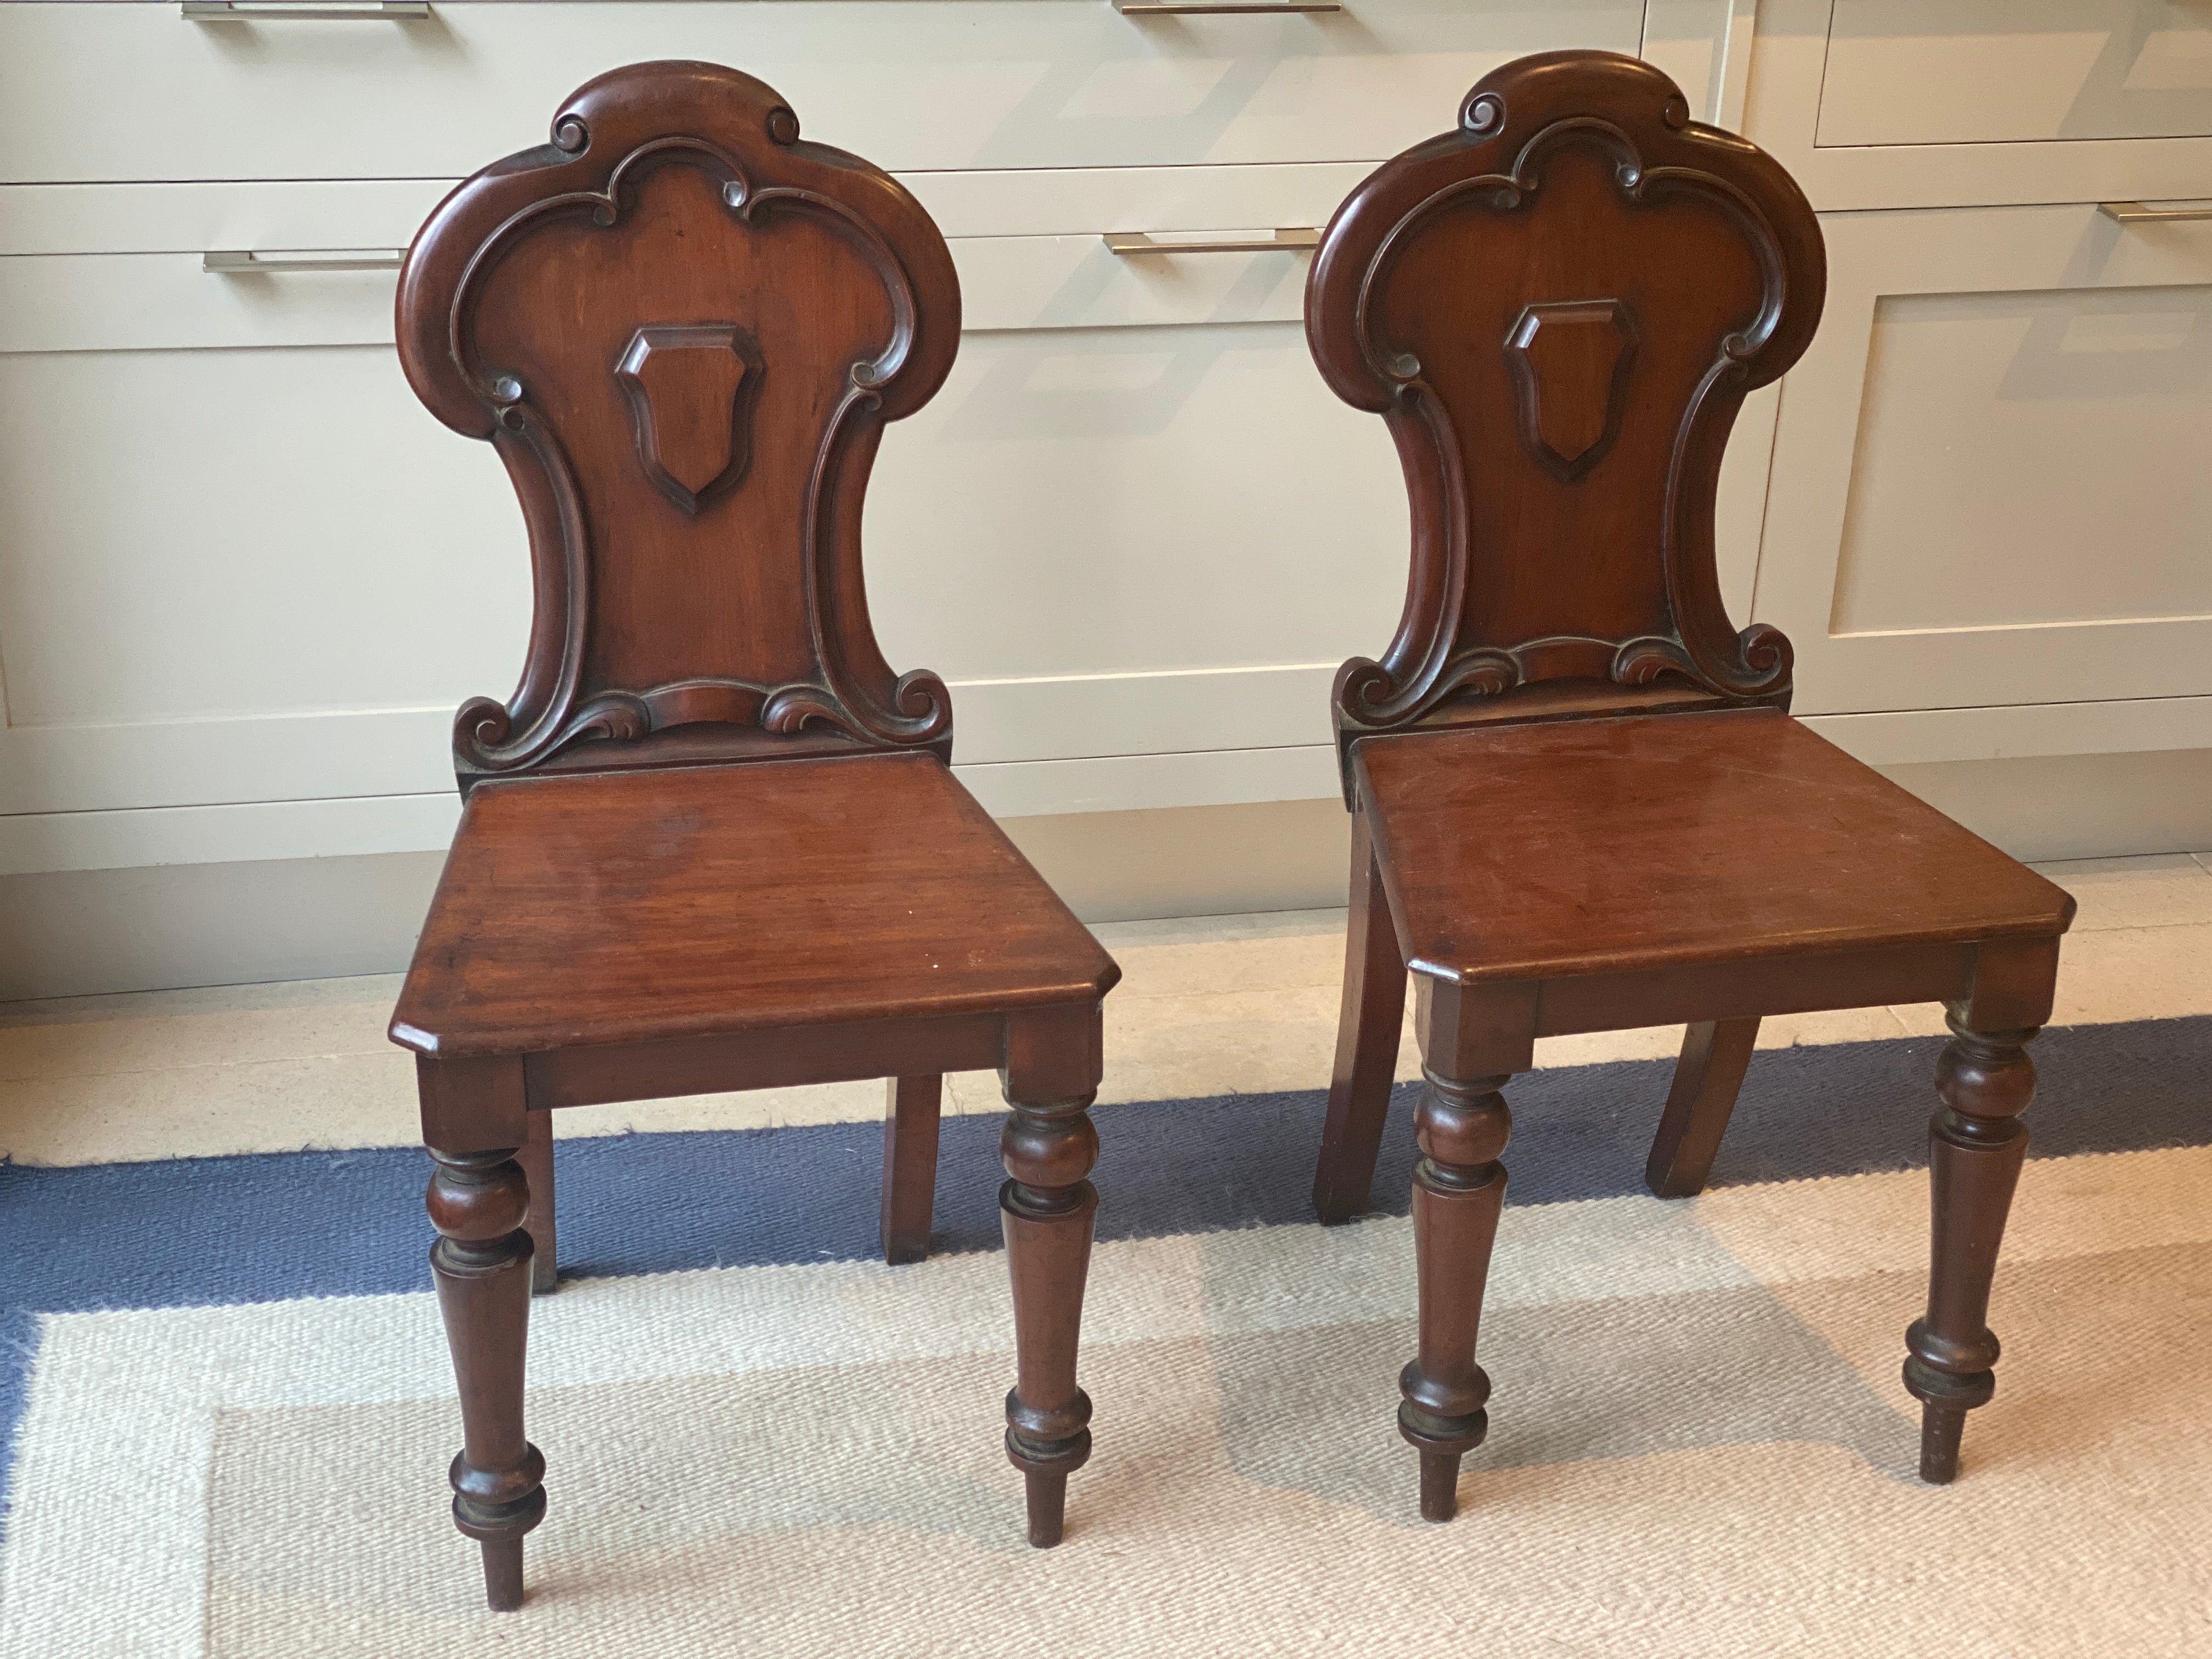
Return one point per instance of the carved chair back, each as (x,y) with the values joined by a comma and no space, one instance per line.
(683,328)
(1558,309)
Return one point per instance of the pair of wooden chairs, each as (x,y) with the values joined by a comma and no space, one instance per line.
(712,841)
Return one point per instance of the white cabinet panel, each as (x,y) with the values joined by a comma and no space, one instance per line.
(214,534)
(1992,478)
(1995,71)
(1130,501)
(1974,404)
(911,84)
(95,303)
(1941,103)
(193,218)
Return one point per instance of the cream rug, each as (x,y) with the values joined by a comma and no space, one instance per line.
(1699,1447)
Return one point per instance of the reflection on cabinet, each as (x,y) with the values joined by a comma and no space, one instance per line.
(1992,475)
(1142,524)
(1940,103)
(2013,71)
(916,84)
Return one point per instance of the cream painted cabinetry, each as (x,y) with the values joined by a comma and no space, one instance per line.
(1992,478)
(219,504)
(914,85)
(1988,524)
(220,508)
(1943,103)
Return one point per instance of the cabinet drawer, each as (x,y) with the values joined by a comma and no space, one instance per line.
(135,92)
(2012,71)
(1944,103)
(1992,475)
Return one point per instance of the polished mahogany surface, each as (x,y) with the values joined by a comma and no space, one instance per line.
(1531,851)
(683,328)
(1579,803)
(1558,307)
(638,906)
(711,843)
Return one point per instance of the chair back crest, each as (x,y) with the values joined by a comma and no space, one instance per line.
(1558,307)
(683,327)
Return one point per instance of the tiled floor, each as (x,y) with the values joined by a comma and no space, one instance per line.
(1209,1006)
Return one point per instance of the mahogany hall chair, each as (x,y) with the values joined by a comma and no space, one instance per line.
(711,843)
(1579,802)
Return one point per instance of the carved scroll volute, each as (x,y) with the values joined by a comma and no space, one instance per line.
(1574,351)
(685,386)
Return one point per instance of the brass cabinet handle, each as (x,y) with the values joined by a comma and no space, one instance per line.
(2135,213)
(1219,8)
(1138,241)
(262,11)
(235,262)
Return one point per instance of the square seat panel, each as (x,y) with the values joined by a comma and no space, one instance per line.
(1547,851)
(694,901)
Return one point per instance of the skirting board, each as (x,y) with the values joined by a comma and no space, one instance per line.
(75,932)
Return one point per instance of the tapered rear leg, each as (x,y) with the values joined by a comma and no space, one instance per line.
(1706,1078)
(910,1117)
(1366,1040)
(535,1158)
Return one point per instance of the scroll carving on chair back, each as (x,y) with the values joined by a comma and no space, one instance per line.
(1559,308)
(683,328)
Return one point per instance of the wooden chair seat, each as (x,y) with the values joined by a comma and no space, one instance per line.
(1565,849)
(652,907)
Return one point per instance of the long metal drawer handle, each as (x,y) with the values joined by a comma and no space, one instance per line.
(260,11)
(2135,213)
(1136,241)
(1219,8)
(232,261)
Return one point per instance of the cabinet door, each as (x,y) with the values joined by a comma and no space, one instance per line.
(1930,103)
(1992,475)
(2014,71)
(910,84)
(242,563)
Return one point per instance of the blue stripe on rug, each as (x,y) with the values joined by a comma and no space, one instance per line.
(192,1231)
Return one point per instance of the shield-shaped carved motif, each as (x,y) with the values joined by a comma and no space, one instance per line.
(691,393)
(1571,362)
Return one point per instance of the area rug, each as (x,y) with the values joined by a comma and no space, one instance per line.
(235,1411)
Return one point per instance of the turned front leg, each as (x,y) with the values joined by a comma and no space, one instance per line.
(1976,1143)
(478,1202)
(1046,1208)
(1459,1188)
